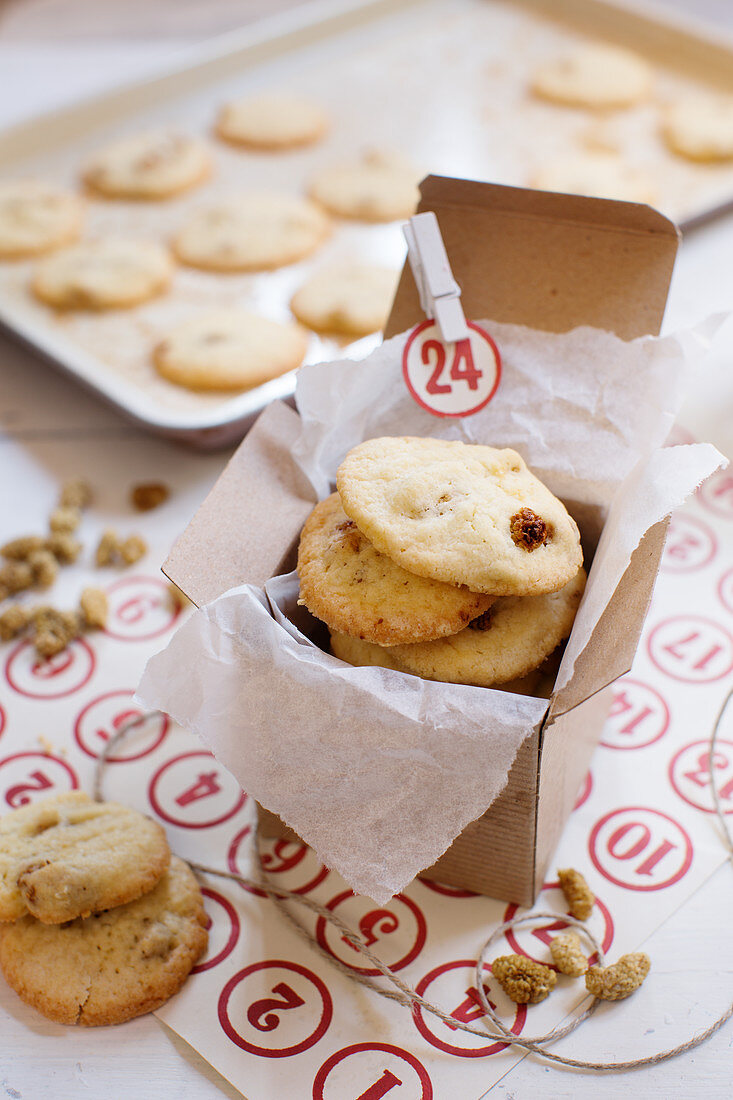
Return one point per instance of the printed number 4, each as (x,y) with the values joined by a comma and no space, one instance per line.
(462,367)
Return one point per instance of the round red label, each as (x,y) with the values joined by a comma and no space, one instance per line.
(275,1008)
(725,590)
(396,932)
(27,776)
(638,716)
(371,1071)
(101,718)
(452,984)
(195,791)
(451,379)
(691,649)
(50,677)
(640,849)
(689,774)
(690,544)
(584,793)
(140,608)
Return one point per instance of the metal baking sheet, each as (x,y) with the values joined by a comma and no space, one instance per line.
(442,81)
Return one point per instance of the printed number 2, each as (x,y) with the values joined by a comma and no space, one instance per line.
(462,367)
(285,998)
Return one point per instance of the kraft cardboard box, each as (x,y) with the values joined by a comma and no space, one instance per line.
(550,262)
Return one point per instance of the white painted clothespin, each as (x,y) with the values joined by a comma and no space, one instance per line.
(440,294)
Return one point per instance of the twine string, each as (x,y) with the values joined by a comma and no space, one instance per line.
(401,991)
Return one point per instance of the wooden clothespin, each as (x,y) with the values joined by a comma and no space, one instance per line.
(440,294)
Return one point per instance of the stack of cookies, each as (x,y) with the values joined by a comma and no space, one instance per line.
(99,922)
(449,561)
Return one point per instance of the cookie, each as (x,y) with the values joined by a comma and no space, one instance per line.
(272,121)
(113,966)
(506,643)
(252,233)
(36,218)
(596,76)
(104,274)
(350,300)
(700,129)
(602,174)
(67,856)
(460,513)
(380,187)
(354,589)
(229,349)
(148,166)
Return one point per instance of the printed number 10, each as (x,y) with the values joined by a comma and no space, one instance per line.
(462,367)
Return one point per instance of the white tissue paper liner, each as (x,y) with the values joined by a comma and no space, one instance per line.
(376,770)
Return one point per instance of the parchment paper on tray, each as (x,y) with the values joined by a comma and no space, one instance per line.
(380,771)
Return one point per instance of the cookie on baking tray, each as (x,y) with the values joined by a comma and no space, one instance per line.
(353,588)
(107,273)
(272,121)
(380,187)
(113,966)
(254,232)
(506,643)
(229,349)
(155,165)
(348,300)
(67,856)
(700,129)
(594,75)
(460,513)
(602,174)
(36,218)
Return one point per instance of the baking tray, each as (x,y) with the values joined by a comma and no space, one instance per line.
(443,81)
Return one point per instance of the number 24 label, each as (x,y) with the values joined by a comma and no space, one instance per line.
(451,379)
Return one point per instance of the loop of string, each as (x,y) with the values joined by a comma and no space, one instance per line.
(401,991)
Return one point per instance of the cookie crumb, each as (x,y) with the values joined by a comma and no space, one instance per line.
(523,980)
(567,954)
(64,547)
(528,529)
(75,493)
(19,549)
(149,495)
(13,620)
(613,983)
(133,548)
(94,607)
(15,576)
(45,568)
(108,548)
(578,894)
(64,520)
(54,630)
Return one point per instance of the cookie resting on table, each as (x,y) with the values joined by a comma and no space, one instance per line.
(506,643)
(103,274)
(113,966)
(148,166)
(253,233)
(36,218)
(460,513)
(595,76)
(354,589)
(229,349)
(700,129)
(380,187)
(272,121)
(350,300)
(66,856)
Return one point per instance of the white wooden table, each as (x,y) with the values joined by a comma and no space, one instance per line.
(693,951)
